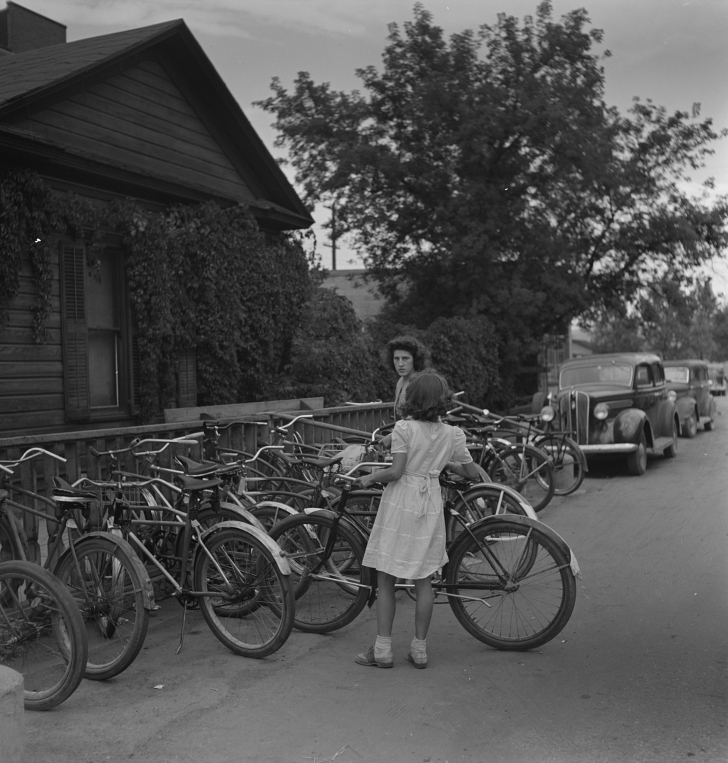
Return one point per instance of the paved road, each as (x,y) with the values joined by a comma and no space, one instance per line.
(638,674)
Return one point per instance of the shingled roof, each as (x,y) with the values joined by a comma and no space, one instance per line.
(29,74)
(36,79)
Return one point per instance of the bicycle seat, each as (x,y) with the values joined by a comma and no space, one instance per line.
(65,491)
(195,468)
(191,485)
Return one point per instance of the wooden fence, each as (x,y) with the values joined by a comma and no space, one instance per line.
(245,434)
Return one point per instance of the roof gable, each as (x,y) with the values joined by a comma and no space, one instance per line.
(107,99)
(139,120)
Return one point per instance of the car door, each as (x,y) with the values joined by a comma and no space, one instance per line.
(645,393)
(701,385)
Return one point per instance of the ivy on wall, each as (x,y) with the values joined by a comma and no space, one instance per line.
(201,278)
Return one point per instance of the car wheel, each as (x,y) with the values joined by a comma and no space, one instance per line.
(671,450)
(637,460)
(708,426)
(691,427)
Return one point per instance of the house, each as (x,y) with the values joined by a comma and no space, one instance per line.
(351,284)
(140,114)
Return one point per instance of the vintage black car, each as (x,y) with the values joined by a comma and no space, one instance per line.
(619,403)
(692,385)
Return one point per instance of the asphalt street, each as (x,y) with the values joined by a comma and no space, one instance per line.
(638,674)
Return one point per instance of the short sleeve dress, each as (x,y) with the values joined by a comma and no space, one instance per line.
(408,536)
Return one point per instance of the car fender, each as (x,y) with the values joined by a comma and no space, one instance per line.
(528,522)
(686,406)
(629,426)
(265,539)
(125,546)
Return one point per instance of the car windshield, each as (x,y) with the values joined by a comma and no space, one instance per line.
(597,374)
(678,374)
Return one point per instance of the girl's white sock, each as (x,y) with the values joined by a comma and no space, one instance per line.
(383,647)
(418,646)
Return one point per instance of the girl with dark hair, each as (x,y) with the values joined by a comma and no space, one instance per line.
(408,356)
(408,536)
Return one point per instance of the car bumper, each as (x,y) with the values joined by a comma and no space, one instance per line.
(613,447)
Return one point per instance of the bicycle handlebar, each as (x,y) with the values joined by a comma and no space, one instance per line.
(184,440)
(293,421)
(27,456)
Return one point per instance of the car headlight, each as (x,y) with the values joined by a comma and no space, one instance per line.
(672,396)
(547,414)
(601,411)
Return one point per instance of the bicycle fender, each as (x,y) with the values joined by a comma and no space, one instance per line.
(528,522)
(260,535)
(245,516)
(498,487)
(136,562)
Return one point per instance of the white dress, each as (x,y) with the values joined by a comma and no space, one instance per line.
(408,536)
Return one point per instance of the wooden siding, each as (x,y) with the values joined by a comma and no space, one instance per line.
(140,121)
(31,375)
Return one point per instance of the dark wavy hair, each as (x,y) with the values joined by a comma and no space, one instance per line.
(414,347)
(428,397)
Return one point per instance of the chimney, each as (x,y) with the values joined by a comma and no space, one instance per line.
(21,30)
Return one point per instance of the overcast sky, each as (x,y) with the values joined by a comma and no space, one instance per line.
(672,51)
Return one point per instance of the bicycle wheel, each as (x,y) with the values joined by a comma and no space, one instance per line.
(510,585)
(479,502)
(248,601)
(567,462)
(362,504)
(106,585)
(527,470)
(41,634)
(330,597)
(270,513)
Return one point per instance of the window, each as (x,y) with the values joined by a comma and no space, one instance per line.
(643,376)
(96,363)
(100,352)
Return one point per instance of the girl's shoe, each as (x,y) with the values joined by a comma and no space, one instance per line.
(367,658)
(418,660)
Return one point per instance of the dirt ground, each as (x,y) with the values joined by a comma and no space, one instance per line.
(638,674)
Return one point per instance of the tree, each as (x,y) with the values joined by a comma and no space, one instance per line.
(673,318)
(485,175)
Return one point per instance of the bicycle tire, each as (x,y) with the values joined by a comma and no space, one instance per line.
(252,611)
(334,596)
(568,476)
(482,501)
(42,635)
(527,470)
(106,586)
(527,610)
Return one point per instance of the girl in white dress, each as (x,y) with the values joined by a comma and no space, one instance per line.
(408,536)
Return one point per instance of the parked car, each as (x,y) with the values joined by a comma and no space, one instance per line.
(691,383)
(619,403)
(716,372)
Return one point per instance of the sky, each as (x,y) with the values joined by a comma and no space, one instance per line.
(674,52)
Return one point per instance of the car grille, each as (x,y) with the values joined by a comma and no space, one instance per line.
(574,414)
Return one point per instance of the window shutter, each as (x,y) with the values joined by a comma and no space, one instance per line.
(75,334)
(187,380)
(135,371)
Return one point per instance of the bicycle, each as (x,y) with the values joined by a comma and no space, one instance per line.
(567,458)
(101,571)
(42,634)
(522,466)
(510,580)
(235,573)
